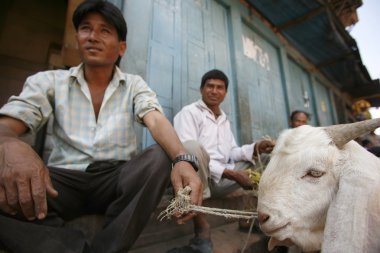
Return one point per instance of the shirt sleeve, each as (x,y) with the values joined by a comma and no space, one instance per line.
(185,124)
(243,153)
(33,105)
(145,100)
(216,170)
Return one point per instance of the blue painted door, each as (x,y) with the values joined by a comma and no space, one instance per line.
(300,93)
(206,45)
(323,105)
(163,67)
(266,90)
(188,38)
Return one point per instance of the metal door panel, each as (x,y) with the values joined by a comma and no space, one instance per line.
(300,93)
(196,62)
(220,52)
(161,73)
(194,52)
(205,34)
(323,105)
(266,90)
(188,38)
(163,61)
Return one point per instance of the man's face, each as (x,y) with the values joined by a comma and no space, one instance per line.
(98,41)
(298,120)
(213,92)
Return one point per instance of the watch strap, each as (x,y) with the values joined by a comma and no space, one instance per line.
(192,159)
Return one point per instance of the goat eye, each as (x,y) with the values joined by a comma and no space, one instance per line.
(315,173)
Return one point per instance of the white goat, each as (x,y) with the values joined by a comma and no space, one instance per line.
(321,190)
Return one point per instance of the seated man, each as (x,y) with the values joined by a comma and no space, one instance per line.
(298,118)
(204,122)
(93,168)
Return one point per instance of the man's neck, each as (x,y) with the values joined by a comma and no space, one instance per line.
(216,110)
(98,76)
(98,79)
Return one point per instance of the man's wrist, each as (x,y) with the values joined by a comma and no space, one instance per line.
(227,173)
(192,159)
(255,151)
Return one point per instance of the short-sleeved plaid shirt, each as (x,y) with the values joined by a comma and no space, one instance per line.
(79,139)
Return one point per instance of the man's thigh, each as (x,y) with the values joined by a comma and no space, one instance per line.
(71,186)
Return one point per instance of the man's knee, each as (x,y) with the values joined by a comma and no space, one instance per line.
(195,148)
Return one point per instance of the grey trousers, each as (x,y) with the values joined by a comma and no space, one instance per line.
(210,187)
(126,192)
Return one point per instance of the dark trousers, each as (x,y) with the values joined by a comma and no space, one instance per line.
(125,192)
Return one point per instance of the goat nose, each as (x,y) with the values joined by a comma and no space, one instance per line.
(263,217)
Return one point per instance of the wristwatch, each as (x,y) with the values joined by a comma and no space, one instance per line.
(192,159)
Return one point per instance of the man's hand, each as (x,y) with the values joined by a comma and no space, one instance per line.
(24,181)
(239,176)
(183,174)
(263,146)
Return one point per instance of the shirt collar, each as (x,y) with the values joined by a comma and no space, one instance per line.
(204,107)
(77,74)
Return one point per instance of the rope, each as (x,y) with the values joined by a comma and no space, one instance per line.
(181,204)
(249,234)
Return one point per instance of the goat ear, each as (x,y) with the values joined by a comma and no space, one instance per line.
(346,228)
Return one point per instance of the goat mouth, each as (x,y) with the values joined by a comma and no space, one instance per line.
(273,242)
(275,230)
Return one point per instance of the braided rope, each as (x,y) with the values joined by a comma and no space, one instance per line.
(181,204)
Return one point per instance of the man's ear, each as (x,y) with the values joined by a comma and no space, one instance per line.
(122,48)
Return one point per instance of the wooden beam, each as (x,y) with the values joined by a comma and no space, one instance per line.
(334,60)
(301,19)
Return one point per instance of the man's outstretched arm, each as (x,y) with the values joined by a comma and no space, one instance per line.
(183,174)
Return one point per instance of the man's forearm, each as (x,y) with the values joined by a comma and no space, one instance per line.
(164,134)
(229,174)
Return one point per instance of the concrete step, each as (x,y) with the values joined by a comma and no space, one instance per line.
(159,231)
(160,236)
(226,239)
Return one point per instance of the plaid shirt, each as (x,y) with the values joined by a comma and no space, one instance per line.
(79,139)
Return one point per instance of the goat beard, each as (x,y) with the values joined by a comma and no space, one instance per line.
(273,242)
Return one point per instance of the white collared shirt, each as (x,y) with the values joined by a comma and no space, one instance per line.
(78,138)
(197,122)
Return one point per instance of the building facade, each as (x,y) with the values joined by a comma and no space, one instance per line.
(276,54)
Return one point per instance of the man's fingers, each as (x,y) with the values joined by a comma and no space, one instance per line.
(176,188)
(25,199)
(196,194)
(39,196)
(11,194)
(185,218)
(49,186)
(4,203)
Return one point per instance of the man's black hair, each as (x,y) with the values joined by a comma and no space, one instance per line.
(107,10)
(214,74)
(299,111)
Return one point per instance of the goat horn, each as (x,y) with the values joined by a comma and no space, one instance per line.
(341,134)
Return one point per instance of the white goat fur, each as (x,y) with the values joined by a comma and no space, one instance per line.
(336,212)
